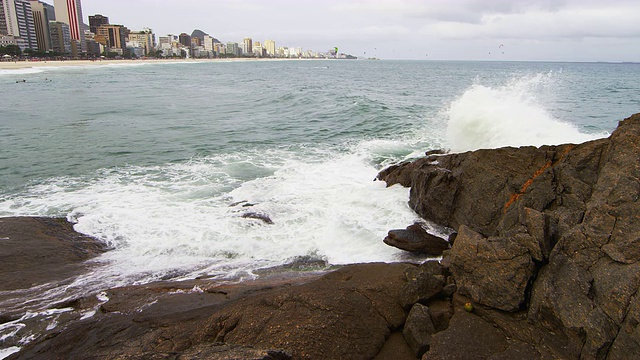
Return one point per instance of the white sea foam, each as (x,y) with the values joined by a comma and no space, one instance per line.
(508,115)
(8,351)
(177,221)
(25,71)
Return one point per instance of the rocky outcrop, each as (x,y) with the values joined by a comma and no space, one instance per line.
(551,234)
(37,251)
(416,239)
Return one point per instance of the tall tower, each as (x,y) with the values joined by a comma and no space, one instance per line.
(16,20)
(41,23)
(270,46)
(8,18)
(247,46)
(25,24)
(70,13)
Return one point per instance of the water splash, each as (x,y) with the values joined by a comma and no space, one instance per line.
(508,115)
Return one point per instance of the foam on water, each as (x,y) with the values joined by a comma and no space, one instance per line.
(26,71)
(179,220)
(508,115)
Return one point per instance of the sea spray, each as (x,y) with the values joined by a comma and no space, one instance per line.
(186,220)
(508,115)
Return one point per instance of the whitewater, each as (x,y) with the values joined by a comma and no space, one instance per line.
(161,161)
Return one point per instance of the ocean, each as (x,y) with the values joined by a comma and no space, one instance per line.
(161,161)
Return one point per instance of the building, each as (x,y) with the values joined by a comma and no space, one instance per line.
(247,46)
(113,37)
(144,39)
(70,13)
(270,47)
(60,37)
(185,39)
(16,19)
(233,49)
(93,47)
(25,24)
(8,19)
(7,40)
(97,20)
(41,23)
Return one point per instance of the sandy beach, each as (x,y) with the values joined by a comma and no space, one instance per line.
(20,65)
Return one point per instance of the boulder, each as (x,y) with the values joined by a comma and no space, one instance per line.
(416,239)
(418,329)
(492,271)
(423,283)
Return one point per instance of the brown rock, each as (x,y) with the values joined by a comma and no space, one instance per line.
(416,239)
(418,329)
(494,272)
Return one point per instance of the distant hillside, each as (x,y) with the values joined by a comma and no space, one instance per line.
(201,34)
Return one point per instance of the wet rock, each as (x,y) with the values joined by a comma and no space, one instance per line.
(348,313)
(416,239)
(36,251)
(258,216)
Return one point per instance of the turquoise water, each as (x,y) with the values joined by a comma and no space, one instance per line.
(151,158)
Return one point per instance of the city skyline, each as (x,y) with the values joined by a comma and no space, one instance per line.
(568,30)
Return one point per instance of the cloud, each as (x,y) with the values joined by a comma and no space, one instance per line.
(566,23)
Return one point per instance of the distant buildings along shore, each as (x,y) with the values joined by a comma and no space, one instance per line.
(40,29)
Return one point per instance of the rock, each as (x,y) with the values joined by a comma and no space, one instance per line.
(423,283)
(348,313)
(258,216)
(494,271)
(467,337)
(550,233)
(418,329)
(37,251)
(416,239)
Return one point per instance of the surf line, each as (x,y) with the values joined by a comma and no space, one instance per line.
(528,183)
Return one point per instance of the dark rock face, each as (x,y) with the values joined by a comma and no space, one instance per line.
(416,239)
(551,231)
(346,314)
(36,251)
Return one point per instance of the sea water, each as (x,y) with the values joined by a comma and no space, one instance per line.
(161,161)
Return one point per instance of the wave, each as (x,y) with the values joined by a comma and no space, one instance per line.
(25,71)
(508,115)
(186,220)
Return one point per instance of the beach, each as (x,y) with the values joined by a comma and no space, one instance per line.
(19,65)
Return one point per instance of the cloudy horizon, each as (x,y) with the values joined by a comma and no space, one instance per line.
(509,30)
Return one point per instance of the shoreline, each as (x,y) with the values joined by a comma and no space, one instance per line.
(22,65)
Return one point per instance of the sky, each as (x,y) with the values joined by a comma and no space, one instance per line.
(509,30)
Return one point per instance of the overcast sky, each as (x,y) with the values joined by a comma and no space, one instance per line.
(556,30)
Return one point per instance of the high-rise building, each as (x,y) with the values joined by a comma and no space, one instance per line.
(25,24)
(60,37)
(70,13)
(112,36)
(16,20)
(8,19)
(185,39)
(41,23)
(233,49)
(247,46)
(270,46)
(97,20)
(145,38)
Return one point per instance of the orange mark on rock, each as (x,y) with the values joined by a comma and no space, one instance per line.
(528,183)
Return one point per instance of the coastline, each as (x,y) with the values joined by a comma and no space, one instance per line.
(21,65)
